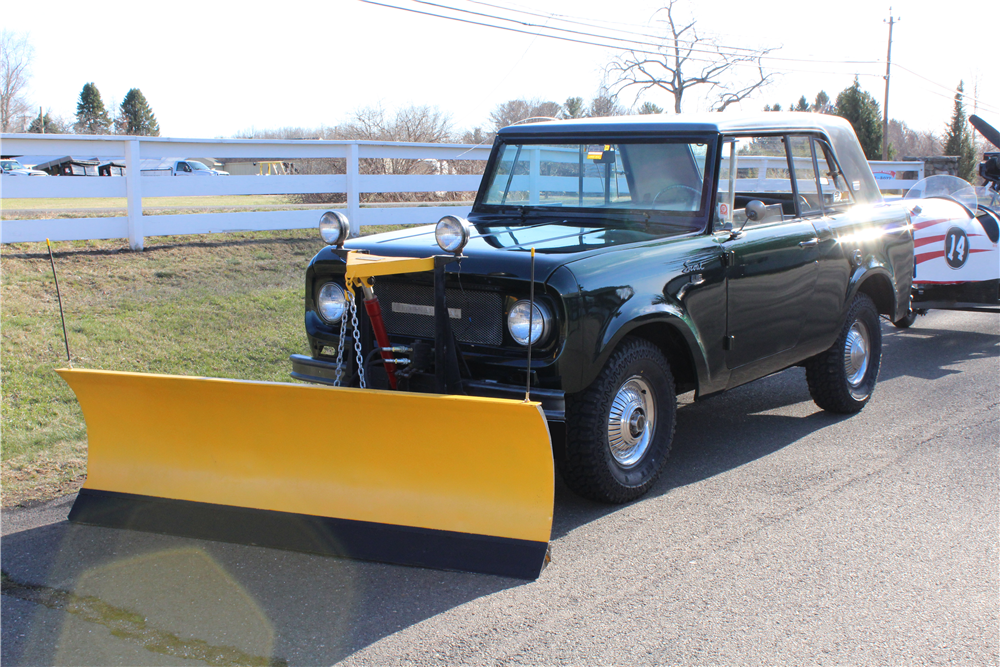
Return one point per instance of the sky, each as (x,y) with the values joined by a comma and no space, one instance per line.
(215,68)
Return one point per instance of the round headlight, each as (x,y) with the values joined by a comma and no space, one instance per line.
(334,228)
(452,233)
(331,302)
(517,322)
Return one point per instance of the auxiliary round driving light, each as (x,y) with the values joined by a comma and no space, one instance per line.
(452,234)
(334,228)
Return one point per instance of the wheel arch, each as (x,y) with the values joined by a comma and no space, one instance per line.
(877,284)
(675,348)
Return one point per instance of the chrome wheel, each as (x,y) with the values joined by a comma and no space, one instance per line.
(631,421)
(857,353)
(843,378)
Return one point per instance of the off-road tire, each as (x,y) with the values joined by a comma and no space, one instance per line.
(829,373)
(589,467)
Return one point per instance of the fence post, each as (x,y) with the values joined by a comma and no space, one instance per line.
(133,194)
(534,175)
(353,193)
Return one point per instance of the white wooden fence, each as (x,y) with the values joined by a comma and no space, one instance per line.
(134,186)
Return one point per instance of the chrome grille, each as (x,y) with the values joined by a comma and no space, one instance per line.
(408,310)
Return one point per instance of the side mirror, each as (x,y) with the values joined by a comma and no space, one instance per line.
(755,210)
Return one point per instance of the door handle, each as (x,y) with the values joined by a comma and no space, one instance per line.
(811,243)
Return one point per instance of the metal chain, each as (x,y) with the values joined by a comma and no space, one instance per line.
(340,343)
(357,341)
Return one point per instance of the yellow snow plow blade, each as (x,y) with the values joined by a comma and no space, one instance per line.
(450,482)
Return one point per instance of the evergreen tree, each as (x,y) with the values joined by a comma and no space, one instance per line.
(45,124)
(136,117)
(650,108)
(605,104)
(573,108)
(91,116)
(803,105)
(958,139)
(822,102)
(862,111)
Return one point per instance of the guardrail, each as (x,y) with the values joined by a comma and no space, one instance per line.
(135,185)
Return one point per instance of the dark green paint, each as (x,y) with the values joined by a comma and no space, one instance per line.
(727,307)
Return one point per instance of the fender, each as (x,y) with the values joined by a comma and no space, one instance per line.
(883,245)
(674,329)
(877,279)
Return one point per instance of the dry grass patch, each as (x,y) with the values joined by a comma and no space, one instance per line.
(50,473)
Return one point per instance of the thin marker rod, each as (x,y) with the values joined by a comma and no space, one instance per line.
(531,317)
(59,297)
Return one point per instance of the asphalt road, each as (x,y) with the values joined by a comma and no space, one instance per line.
(778,535)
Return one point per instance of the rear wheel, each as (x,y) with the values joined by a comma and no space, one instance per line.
(842,378)
(619,430)
(907,320)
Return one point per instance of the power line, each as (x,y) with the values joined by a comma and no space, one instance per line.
(965,96)
(627,40)
(518,30)
(660,38)
(591,24)
(943,96)
(657,52)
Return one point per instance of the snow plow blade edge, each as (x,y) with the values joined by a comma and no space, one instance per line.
(448,482)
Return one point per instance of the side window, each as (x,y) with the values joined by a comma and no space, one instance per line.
(761,170)
(832,183)
(808,186)
(183,166)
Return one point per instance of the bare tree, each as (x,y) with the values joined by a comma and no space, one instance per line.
(907,142)
(416,124)
(420,124)
(518,111)
(15,62)
(684,50)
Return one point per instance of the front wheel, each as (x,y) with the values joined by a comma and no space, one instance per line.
(619,430)
(842,378)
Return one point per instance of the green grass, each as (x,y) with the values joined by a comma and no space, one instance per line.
(217,305)
(223,305)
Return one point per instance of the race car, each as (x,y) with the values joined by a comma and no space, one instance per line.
(956,230)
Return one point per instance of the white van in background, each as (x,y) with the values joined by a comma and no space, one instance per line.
(176,167)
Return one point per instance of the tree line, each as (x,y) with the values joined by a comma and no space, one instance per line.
(862,110)
(133,116)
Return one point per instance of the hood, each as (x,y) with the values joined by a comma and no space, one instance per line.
(502,248)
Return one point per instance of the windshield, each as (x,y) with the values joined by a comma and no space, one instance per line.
(638,176)
(947,186)
(7,165)
(198,166)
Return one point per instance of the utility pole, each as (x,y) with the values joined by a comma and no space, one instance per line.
(885,107)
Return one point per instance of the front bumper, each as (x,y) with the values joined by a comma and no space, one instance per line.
(319,371)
